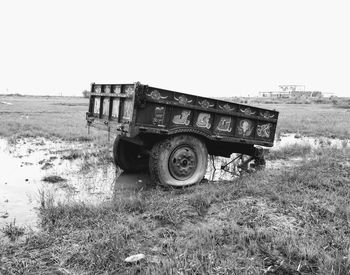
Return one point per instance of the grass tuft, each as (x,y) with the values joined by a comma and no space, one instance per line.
(13,231)
(201,203)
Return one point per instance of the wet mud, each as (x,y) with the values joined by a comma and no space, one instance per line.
(34,169)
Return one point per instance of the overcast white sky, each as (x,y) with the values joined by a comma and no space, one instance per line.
(209,48)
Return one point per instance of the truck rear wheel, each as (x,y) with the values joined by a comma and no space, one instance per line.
(129,156)
(178,161)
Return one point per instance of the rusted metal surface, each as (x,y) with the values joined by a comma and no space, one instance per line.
(131,109)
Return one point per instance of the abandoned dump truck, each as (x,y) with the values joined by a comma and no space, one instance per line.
(171,133)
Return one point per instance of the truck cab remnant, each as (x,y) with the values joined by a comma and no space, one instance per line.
(171,133)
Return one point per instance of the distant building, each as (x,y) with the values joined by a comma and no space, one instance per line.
(292,91)
(276,94)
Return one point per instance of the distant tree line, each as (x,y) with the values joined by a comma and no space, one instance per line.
(86,93)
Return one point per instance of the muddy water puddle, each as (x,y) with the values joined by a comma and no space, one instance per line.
(25,164)
(314,142)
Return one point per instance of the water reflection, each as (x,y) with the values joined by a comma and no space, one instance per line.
(26,163)
(22,189)
(226,169)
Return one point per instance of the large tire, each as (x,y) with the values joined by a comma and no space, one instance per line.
(129,156)
(178,161)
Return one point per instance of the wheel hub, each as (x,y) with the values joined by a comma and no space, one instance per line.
(182,162)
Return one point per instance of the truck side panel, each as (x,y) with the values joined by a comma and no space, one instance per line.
(216,119)
(212,125)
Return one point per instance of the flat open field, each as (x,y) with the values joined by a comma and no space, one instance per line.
(64,117)
(291,218)
(44,116)
(313,119)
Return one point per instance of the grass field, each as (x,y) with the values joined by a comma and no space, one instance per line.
(284,220)
(313,119)
(64,117)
